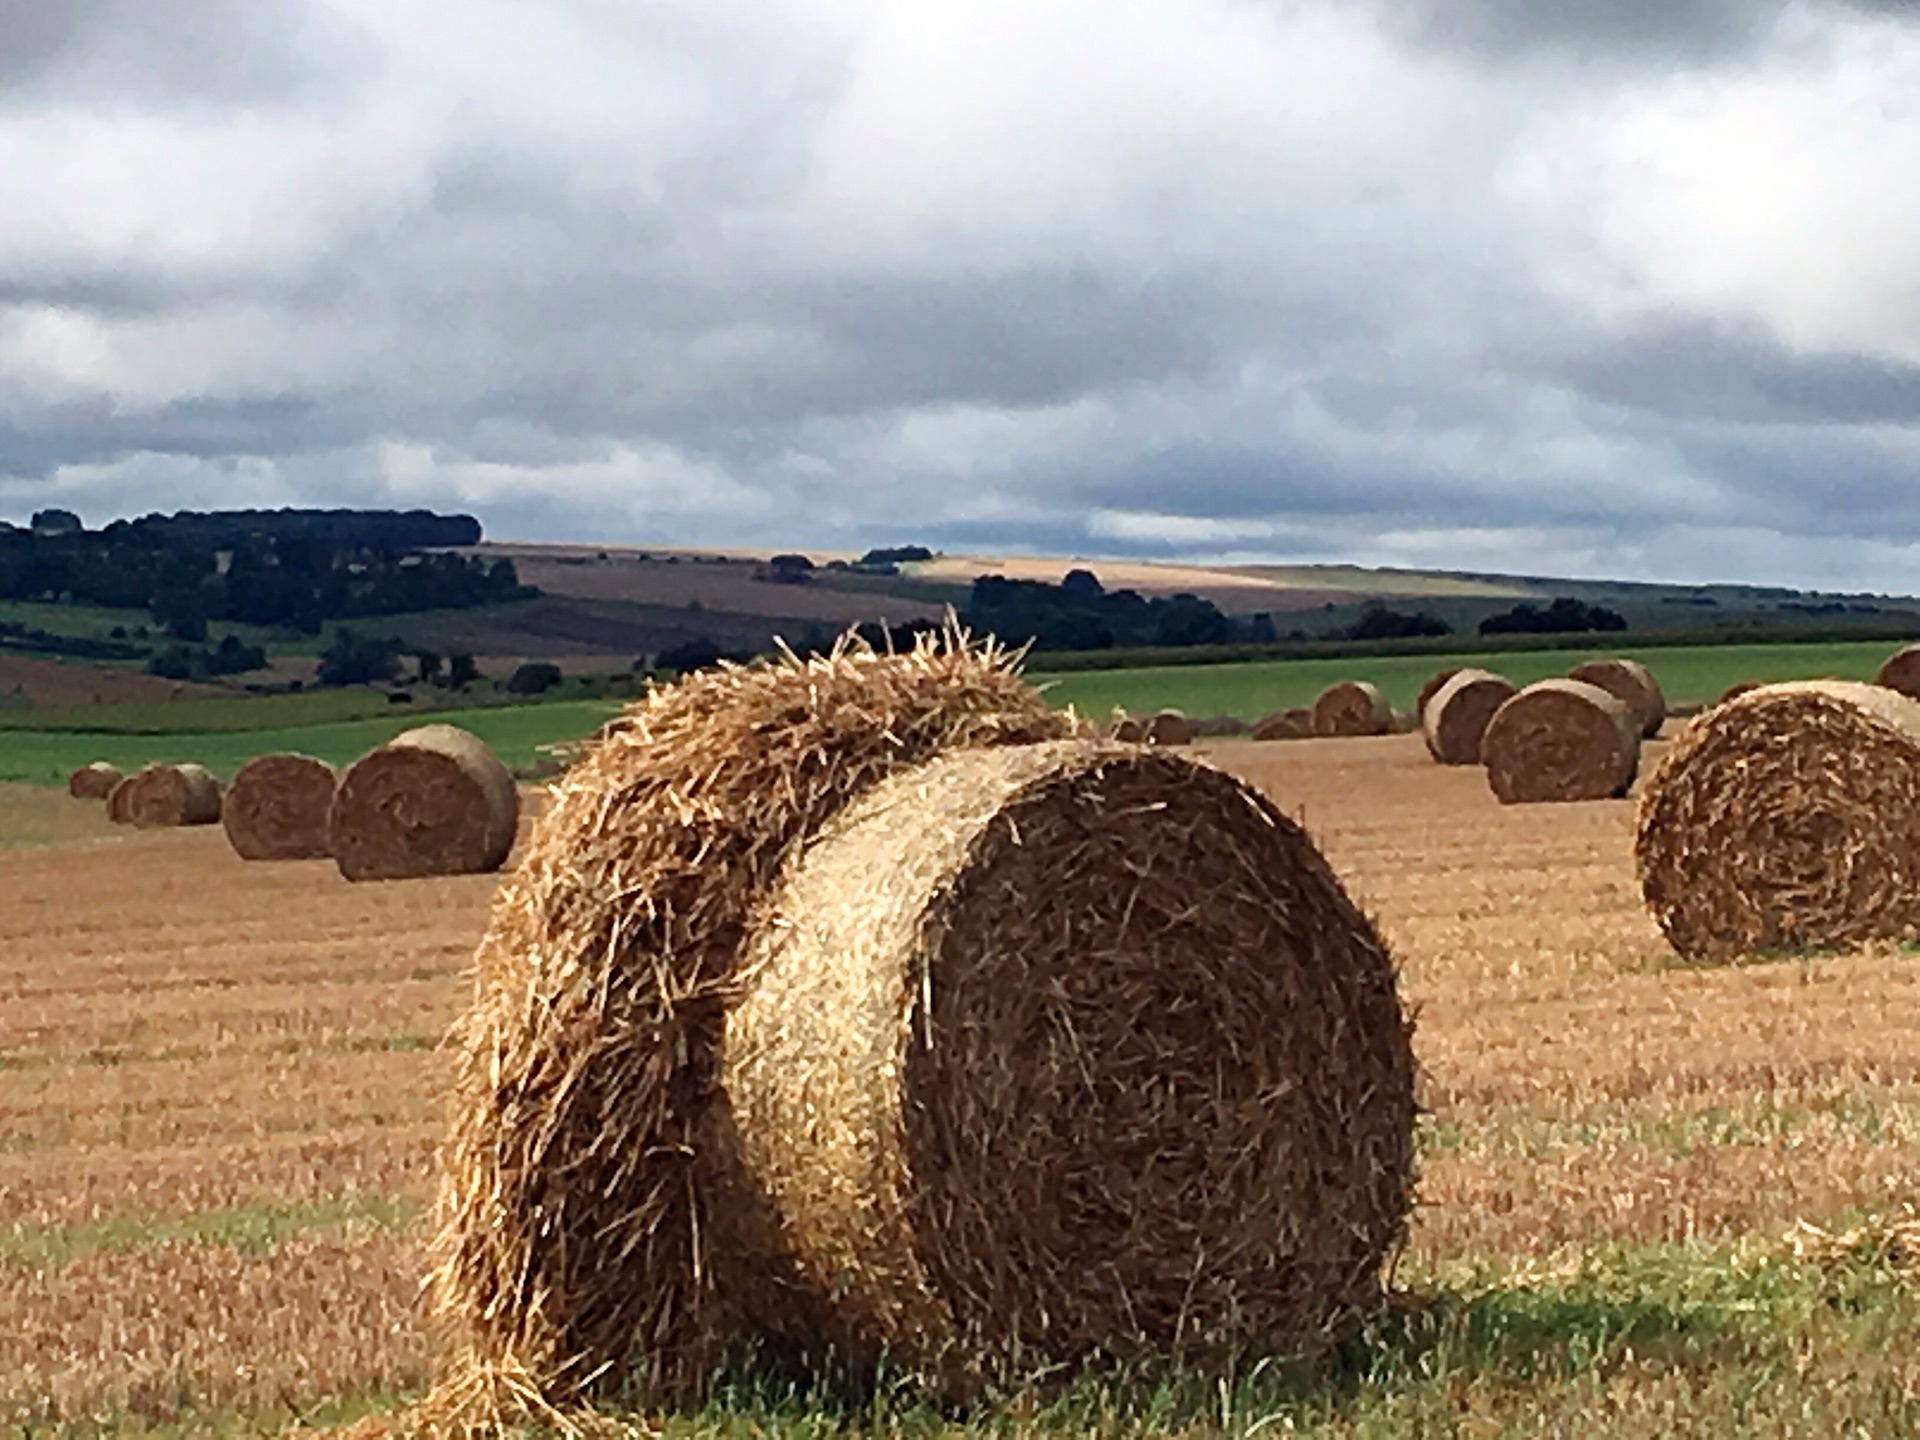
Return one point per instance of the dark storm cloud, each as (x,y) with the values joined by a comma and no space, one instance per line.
(1683,30)
(1632,32)
(1694,368)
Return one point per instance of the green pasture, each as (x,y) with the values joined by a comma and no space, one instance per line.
(1689,675)
(337,725)
(516,732)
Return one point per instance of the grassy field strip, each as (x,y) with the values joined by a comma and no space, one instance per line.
(1689,674)
(1766,1121)
(515,732)
(253,1229)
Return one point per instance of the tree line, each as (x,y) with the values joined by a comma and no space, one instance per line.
(289,569)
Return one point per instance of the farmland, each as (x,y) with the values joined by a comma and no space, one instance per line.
(223,733)
(516,732)
(1689,675)
(219,1112)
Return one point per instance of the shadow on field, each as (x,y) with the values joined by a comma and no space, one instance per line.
(1422,1344)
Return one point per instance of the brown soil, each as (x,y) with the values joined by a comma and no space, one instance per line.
(59,684)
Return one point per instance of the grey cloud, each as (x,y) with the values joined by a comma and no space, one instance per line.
(1682,30)
(173,50)
(1689,367)
(1635,32)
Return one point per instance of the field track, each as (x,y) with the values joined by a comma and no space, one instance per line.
(218,1087)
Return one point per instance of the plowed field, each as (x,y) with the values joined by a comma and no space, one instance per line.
(218,1086)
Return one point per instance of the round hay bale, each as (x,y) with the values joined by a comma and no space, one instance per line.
(93,782)
(1405,722)
(1902,672)
(1128,729)
(988,1104)
(1296,724)
(431,801)
(1633,684)
(277,806)
(1169,727)
(1353,707)
(1786,818)
(1561,740)
(1735,691)
(166,795)
(578,1242)
(117,800)
(1457,715)
(1431,689)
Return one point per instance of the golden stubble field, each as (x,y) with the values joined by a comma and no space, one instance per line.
(219,1093)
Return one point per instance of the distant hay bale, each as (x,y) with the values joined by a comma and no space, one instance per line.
(1432,688)
(1405,722)
(1129,729)
(1784,819)
(1561,740)
(1352,707)
(1635,687)
(1457,714)
(431,801)
(578,1238)
(1295,724)
(1902,672)
(93,782)
(1169,727)
(1735,691)
(961,1071)
(277,807)
(159,796)
(1209,727)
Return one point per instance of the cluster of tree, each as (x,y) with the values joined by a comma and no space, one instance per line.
(15,636)
(1080,614)
(352,658)
(205,662)
(1563,616)
(788,569)
(288,568)
(393,531)
(1377,622)
(894,555)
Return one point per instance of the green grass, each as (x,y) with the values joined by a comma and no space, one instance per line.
(1653,1340)
(47,757)
(1688,674)
(252,1229)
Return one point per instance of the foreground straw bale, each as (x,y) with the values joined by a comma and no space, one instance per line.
(277,808)
(93,782)
(1736,690)
(432,801)
(1633,684)
(159,796)
(1786,818)
(1456,717)
(1902,672)
(979,1073)
(1353,707)
(1561,740)
(1296,724)
(578,1229)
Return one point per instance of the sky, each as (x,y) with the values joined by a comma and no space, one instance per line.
(1531,286)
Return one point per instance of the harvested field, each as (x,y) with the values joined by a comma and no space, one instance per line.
(217,1125)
